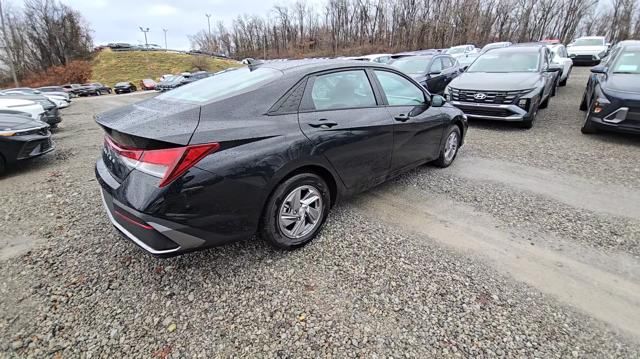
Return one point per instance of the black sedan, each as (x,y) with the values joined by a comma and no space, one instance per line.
(434,72)
(124,87)
(21,138)
(507,84)
(612,95)
(267,148)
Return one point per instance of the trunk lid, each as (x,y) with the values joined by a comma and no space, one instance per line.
(147,125)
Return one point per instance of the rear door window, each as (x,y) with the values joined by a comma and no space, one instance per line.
(436,65)
(345,89)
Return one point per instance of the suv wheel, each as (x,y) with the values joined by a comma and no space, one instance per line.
(450,147)
(296,211)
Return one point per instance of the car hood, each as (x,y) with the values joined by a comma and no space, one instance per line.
(496,81)
(17,122)
(586,49)
(623,83)
(160,120)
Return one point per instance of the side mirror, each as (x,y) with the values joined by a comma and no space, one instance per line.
(437,101)
(553,68)
(600,69)
(37,92)
(608,44)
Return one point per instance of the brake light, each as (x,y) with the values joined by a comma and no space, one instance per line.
(167,163)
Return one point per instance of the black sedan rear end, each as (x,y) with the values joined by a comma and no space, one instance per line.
(22,138)
(124,87)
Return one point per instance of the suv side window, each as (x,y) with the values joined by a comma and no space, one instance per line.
(446,61)
(436,65)
(345,89)
(398,90)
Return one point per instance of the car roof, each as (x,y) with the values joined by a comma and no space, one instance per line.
(591,37)
(631,47)
(523,48)
(530,44)
(314,65)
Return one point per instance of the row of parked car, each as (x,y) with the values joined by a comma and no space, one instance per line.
(511,82)
(26,117)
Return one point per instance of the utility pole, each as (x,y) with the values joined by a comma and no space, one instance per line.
(209,37)
(145,30)
(165,39)
(8,47)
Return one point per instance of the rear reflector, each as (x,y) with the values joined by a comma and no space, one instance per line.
(167,164)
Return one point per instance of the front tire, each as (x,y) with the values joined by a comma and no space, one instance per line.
(296,211)
(588,127)
(450,147)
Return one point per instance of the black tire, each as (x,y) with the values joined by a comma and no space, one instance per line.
(270,229)
(445,160)
(584,105)
(588,127)
(554,90)
(528,122)
(3,165)
(545,103)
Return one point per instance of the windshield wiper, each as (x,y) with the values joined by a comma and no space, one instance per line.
(626,72)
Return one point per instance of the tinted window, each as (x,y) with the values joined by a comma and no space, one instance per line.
(412,65)
(436,66)
(398,90)
(346,89)
(506,61)
(226,84)
(447,62)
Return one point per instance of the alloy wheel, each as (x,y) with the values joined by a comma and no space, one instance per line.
(300,212)
(451,146)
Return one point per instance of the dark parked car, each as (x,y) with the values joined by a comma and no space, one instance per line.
(93,89)
(612,95)
(434,72)
(22,137)
(124,87)
(195,77)
(170,83)
(148,84)
(73,89)
(507,84)
(51,113)
(267,148)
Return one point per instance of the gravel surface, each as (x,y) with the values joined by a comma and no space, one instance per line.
(70,285)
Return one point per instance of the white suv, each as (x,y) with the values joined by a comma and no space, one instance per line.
(588,49)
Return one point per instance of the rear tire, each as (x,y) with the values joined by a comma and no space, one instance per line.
(450,147)
(583,104)
(291,221)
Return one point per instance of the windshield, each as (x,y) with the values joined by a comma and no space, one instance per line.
(51,89)
(506,62)
(224,85)
(589,42)
(456,50)
(627,63)
(412,65)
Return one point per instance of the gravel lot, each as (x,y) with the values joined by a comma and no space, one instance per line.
(528,246)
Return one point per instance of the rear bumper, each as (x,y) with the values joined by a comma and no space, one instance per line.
(510,113)
(154,233)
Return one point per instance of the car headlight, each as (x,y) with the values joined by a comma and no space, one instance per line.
(7,132)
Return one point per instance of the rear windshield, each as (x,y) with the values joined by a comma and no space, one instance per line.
(228,83)
(411,65)
(122,84)
(589,42)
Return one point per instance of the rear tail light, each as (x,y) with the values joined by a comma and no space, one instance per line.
(166,164)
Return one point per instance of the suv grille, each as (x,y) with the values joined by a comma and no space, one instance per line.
(479,96)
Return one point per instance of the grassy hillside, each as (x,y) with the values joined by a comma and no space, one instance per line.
(110,67)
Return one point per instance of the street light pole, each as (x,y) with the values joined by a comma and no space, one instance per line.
(209,37)
(165,39)
(145,30)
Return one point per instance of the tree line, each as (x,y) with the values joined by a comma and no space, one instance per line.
(41,35)
(350,27)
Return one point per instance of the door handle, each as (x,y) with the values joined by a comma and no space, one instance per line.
(402,117)
(323,124)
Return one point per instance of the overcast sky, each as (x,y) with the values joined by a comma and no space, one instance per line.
(118,20)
